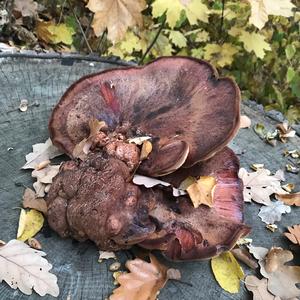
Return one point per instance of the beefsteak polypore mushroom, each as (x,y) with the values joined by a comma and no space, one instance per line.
(189,115)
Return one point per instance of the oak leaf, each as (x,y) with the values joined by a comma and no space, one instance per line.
(24,268)
(227,272)
(143,282)
(289,199)
(254,42)
(260,185)
(116,16)
(294,234)
(272,213)
(258,287)
(31,201)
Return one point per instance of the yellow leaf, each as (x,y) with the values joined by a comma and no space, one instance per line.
(146,150)
(197,52)
(227,272)
(254,42)
(130,43)
(62,34)
(42,31)
(195,10)
(30,223)
(260,9)
(220,55)
(116,16)
(235,31)
(202,36)
(201,192)
(177,38)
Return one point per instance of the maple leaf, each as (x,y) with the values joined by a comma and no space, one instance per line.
(289,199)
(260,9)
(116,16)
(254,42)
(260,185)
(30,223)
(272,213)
(41,152)
(194,9)
(294,234)
(220,55)
(202,36)
(31,201)
(259,288)
(227,272)
(177,38)
(61,33)
(24,268)
(143,282)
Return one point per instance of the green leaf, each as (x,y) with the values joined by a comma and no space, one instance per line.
(177,38)
(290,51)
(290,74)
(295,85)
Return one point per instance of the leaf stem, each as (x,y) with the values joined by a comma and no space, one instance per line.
(154,40)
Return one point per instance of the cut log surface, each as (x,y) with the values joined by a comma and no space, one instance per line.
(42,81)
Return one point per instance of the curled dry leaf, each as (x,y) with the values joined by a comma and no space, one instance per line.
(106,255)
(285,131)
(244,256)
(146,150)
(272,213)
(30,223)
(34,243)
(260,185)
(292,168)
(116,16)
(201,191)
(31,201)
(149,182)
(139,140)
(40,153)
(294,234)
(143,282)
(289,199)
(272,227)
(245,122)
(24,268)
(258,287)
(227,272)
(282,279)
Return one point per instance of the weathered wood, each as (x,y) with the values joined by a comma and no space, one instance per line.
(80,276)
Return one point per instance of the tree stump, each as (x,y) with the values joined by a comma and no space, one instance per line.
(42,79)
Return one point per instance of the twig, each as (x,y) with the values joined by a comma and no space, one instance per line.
(81,29)
(87,31)
(61,11)
(101,40)
(222,19)
(154,41)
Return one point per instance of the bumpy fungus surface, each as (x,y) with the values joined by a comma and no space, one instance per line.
(190,115)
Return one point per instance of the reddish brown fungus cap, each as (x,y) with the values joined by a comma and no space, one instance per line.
(172,99)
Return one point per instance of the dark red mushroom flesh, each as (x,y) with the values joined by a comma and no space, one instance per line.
(180,102)
(187,233)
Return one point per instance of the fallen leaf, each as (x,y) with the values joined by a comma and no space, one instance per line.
(143,282)
(289,199)
(272,213)
(282,279)
(292,169)
(116,16)
(201,191)
(30,223)
(272,227)
(285,131)
(61,33)
(115,266)
(260,9)
(34,243)
(106,255)
(289,187)
(260,185)
(258,252)
(255,42)
(39,189)
(42,165)
(294,234)
(227,272)
(41,152)
(46,174)
(24,268)
(256,167)
(31,201)
(244,241)
(139,140)
(258,287)
(42,31)
(150,182)
(244,256)
(245,122)
(27,8)
(146,150)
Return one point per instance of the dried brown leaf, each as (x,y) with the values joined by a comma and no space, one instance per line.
(143,282)
(294,234)
(201,192)
(285,131)
(289,199)
(244,256)
(34,243)
(258,288)
(31,201)
(116,16)
(27,8)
